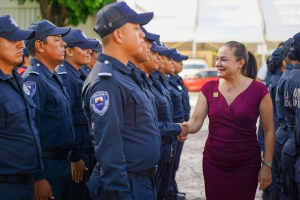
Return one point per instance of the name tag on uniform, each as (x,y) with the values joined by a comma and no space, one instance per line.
(216,94)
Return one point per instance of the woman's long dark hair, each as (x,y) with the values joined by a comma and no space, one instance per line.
(249,69)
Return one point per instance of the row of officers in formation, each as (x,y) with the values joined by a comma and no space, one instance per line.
(283,83)
(81,124)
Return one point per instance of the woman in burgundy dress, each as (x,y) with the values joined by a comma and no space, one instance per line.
(231,159)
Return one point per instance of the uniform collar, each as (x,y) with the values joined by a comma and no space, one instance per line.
(3,77)
(85,67)
(297,66)
(71,68)
(278,72)
(289,67)
(39,66)
(116,63)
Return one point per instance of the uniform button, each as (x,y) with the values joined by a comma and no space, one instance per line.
(62,65)
(106,62)
(38,65)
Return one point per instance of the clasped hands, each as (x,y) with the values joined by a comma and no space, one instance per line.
(184,132)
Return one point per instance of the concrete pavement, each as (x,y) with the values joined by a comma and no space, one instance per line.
(189,176)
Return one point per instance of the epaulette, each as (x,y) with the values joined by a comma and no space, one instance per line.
(61,70)
(105,68)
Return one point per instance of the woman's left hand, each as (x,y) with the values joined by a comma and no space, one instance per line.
(264,177)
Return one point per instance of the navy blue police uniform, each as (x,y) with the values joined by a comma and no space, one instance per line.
(282,134)
(168,130)
(73,80)
(85,70)
(127,139)
(290,152)
(54,124)
(21,155)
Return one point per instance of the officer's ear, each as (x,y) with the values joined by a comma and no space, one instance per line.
(69,52)
(117,35)
(39,46)
(284,63)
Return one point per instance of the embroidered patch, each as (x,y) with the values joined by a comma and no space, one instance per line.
(31,86)
(100,102)
(25,89)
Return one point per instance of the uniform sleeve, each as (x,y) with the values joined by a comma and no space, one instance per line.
(279,101)
(38,97)
(72,91)
(106,127)
(167,129)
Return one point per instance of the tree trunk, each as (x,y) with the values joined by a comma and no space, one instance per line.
(54,12)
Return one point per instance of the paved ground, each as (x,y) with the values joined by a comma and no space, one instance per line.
(190,176)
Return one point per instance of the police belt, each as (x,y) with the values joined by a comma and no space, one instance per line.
(81,126)
(166,140)
(150,173)
(178,120)
(21,178)
(56,155)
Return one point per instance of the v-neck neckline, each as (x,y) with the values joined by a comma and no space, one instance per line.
(229,105)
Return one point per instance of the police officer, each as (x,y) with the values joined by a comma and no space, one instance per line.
(280,189)
(78,53)
(127,139)
(53,114)
(86,69)
(290,152)
(177,80)
(20,156)
(163,105)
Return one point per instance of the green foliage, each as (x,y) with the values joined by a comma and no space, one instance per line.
(78,10)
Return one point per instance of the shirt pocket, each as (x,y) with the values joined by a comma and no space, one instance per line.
(135,109)
(60,105)
(16,116)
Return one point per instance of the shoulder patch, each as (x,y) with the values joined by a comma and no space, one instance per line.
(31,87)
(25,89)
(100,102)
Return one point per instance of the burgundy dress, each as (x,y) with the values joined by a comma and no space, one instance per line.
(231,157)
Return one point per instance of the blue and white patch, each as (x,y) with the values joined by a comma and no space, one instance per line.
(31,86)
(179,87)
(25,89)
(100,102)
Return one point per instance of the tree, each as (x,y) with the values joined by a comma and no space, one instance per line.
(69,12)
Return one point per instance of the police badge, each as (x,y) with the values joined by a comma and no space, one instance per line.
(31,86)
(99,102)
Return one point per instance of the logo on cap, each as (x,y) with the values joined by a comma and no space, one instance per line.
(12,21)
(100,102)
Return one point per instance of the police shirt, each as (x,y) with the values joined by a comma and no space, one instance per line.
(53,114)
(125,131)
(73,80)
(85,70)
(272,89)
(186,98)
(19,141)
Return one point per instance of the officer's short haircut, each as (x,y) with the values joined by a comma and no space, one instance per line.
(32,51)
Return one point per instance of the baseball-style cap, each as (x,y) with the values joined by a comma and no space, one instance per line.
(180,58)
(10,30)
(150,36)
(76,38)
(45,28)
(286,47)
(156,48)
(98,48)
(115,15)
(277,56)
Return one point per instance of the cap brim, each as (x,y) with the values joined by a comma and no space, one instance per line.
(165,53)
(142,19)
(89,44)
(61,31)
(180,58)
(151,37)
(20,35)
(158,49)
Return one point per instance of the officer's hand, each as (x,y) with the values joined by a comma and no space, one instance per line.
(42,190)
(78,169)
(264,177)
(184,132)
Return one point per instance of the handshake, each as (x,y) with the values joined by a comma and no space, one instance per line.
(184,132)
